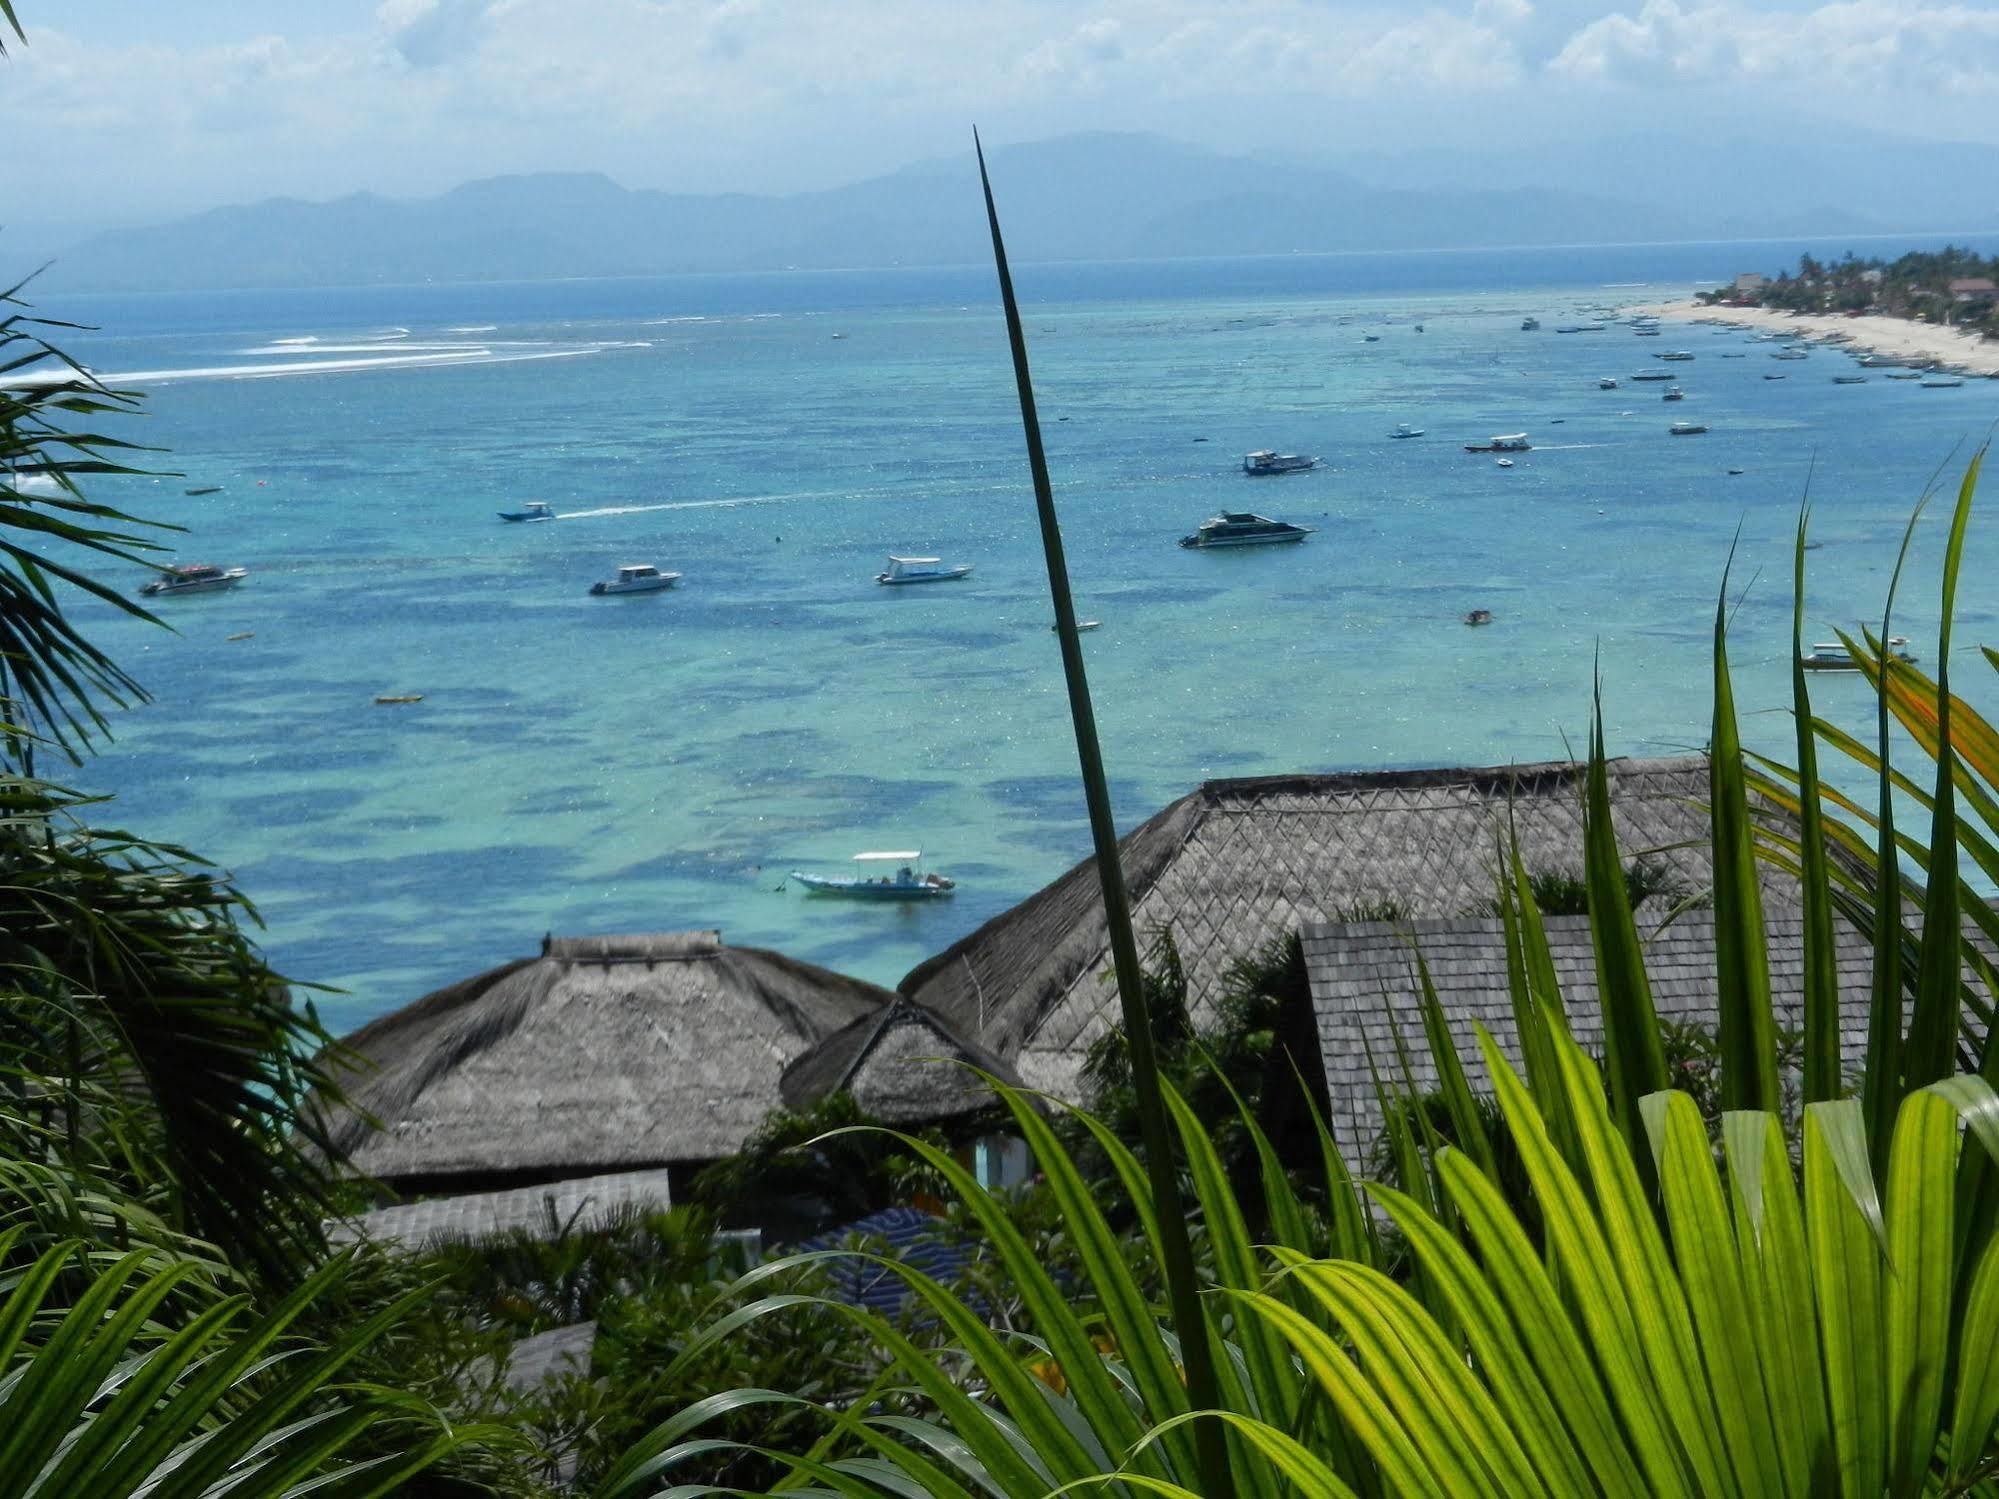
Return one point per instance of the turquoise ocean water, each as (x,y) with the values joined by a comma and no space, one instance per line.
(585,765)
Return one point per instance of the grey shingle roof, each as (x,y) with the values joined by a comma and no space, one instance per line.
(588,1202)
(1364,988)
(1241,862)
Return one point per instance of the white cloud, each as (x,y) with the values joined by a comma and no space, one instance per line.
(429,33)
(1079,58)
(1852,43)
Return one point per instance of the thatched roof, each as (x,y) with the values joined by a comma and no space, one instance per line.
(901,1063)
(603,1054)
(1241,862)
(581,1204)
(1364,989)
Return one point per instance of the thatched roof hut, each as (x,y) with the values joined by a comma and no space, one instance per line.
(1241,862)
(603,1054)
(1365,989)
(903,1065)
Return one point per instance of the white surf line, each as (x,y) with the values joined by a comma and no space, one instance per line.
(453,347)
(471,356)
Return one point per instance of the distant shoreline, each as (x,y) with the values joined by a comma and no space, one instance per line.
(1871,333)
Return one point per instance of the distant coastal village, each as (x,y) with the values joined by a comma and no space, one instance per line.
(1951,287)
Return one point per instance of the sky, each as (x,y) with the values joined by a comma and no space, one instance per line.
(125,111)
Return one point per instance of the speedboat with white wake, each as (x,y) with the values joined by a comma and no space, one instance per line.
(532,510)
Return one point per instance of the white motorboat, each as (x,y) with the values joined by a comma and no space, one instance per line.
(1263,462)
(1237,528)
(639,577)
(1510,442)
(920,570)
(1403,429)
(195,577)
(1830,655)
(1606,383)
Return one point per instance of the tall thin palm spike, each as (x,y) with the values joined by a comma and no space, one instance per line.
(1183,1291)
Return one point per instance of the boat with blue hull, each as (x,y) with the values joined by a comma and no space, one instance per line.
(908,882)
(531,511)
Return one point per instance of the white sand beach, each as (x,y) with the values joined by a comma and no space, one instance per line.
(1879,335)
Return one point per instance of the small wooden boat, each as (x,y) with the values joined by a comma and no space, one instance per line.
(204,489)
(1081,624)
(907,883)
(399,697)
(240,635)
(1479,617)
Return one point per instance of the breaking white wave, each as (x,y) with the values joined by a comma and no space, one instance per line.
(279,346)
(474,328)
(468,356)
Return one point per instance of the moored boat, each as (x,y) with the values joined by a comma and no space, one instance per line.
(1530,325)
(1606,383)
(195,577)
(638,577)
(1239,528)
(1674,393)
(1263,462)
(921,570)
(1403,429)
(1849,379)
(1949,383)
(1686,429)
(1830,655)
(907,883)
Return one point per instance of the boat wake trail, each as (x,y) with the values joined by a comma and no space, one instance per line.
(798,498)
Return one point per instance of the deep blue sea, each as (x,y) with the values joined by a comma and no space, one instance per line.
(590,765)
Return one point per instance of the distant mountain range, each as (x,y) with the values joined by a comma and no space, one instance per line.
(1084,197)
